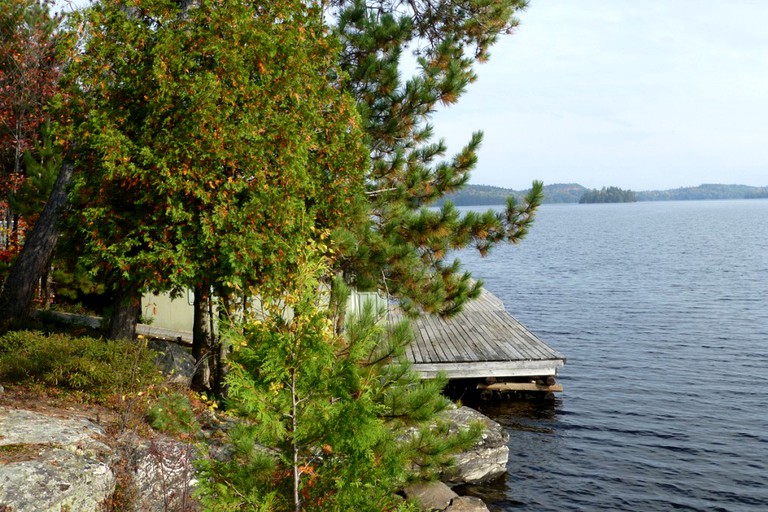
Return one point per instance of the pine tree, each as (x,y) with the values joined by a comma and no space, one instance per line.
(404,249)
(42,166)
(328,421)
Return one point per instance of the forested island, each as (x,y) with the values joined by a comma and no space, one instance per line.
(608,195)
(478,195)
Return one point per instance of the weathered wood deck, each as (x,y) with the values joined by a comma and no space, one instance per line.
(482,341)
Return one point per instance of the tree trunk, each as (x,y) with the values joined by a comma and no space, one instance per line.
(19,289)
(46,283)
(125,315)
(221,346)
(201,336)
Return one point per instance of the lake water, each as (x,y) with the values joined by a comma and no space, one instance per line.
(662,311)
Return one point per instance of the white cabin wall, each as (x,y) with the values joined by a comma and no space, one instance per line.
(159,310)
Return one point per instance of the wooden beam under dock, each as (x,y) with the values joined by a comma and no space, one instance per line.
(521,386)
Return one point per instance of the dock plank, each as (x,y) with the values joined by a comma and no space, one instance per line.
(484,340)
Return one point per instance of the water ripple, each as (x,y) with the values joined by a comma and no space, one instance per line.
(665,327)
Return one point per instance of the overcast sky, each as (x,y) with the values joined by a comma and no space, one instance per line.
(641,95)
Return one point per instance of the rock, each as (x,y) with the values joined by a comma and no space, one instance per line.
(430,495)
(18,427)
(467,504)
(52,464)
(487,459)
(55,480)
(176,363)
(162,473)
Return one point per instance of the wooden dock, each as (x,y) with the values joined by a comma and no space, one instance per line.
(480,342)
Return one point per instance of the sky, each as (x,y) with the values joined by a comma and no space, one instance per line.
(642,95)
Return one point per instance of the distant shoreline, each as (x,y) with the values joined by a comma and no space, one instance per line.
(487,195)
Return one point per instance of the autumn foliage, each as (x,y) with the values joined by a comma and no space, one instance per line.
(30,68)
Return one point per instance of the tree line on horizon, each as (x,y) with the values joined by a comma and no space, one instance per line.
(486,195)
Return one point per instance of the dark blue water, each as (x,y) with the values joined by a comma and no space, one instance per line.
(662,311)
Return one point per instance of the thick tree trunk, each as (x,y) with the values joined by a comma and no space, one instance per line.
(125,315)
(19,289)
(202,336)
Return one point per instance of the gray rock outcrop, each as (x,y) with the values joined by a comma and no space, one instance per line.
(176,364)
(55,464)
(161,472)
(487,460)
(52,464)
(430,495)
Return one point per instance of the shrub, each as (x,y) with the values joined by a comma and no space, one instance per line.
(93,365)
(173,414)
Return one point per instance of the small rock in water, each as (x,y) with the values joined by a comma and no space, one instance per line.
(467,504)
(431,495)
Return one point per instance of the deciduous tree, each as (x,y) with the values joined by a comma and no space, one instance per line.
(31,60)
(30,66)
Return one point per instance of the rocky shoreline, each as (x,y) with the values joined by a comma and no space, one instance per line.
(59,456)
(56,459)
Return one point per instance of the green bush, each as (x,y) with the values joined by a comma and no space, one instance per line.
(173,414)
(93,365)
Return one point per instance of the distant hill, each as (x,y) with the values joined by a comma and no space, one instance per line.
(706,191)
(487,195)
(481,195)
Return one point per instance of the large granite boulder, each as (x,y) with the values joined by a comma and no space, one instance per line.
(487,460)
(176,364)
(52,464)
